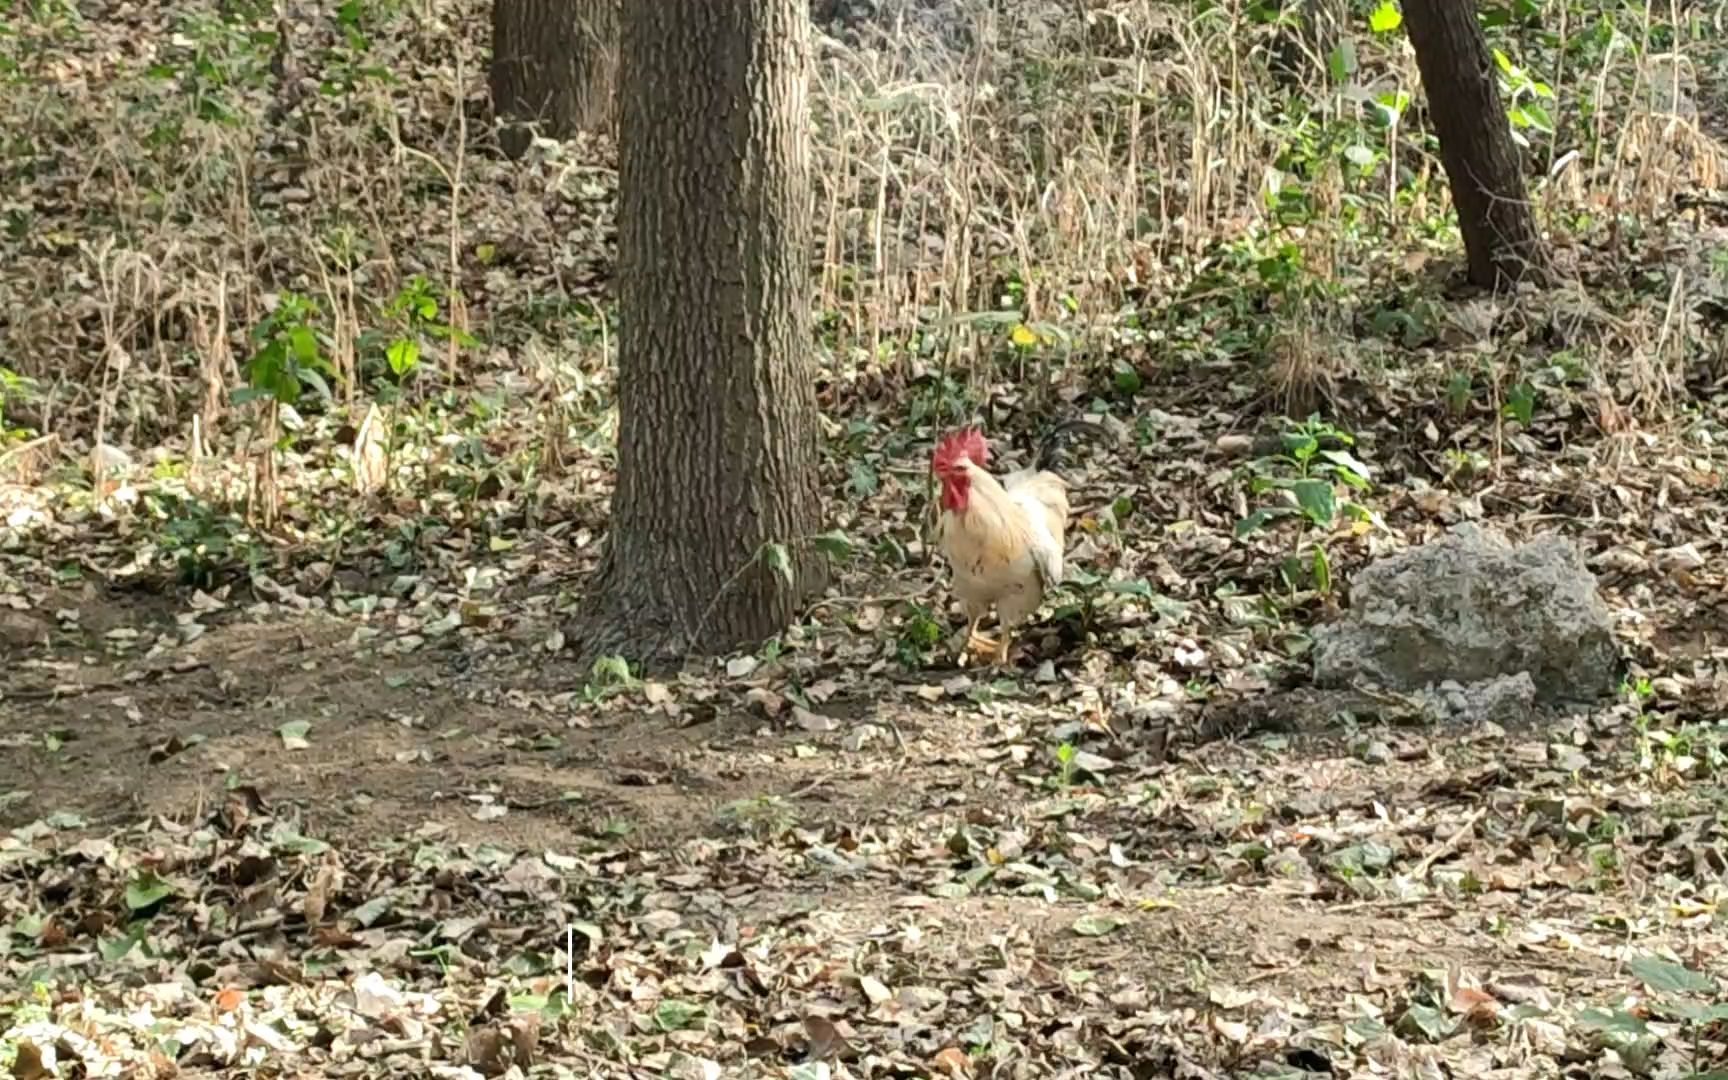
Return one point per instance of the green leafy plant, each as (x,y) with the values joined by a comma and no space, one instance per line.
(1065,765)
(763,817)
(835,544)
(416,320)
(200,539)
(1314,473)
(287,357)
(920,634)
(1464,464)
(608,676)
(403,551)
(777,557)
(1684,751)
(1524,98)
(1458,392)
(1520,404)
(347,65)
(938,398)
(211,61)
(1672,991)
(1092,591)
(13,387)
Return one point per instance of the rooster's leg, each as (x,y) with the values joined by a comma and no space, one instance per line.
(1000,657)
(976,642)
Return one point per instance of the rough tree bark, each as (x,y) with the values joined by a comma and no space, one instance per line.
(555,66)
(1482,166)
(717,425)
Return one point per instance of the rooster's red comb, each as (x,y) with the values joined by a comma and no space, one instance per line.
(966,443)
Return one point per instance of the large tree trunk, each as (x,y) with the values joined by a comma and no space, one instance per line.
(1500,238)
(717,425)
(554,66)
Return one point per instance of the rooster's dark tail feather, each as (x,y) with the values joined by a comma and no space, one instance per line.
(1054,443)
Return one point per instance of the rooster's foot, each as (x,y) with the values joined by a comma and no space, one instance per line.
(979,645)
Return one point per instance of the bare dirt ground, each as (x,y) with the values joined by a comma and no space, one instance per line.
(904,886)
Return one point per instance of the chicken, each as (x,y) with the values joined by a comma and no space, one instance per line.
(1003,539)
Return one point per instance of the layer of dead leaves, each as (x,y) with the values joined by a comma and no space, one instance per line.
(1380,900)
(1466,902)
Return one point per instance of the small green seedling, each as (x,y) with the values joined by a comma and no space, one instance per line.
(1313,467)
(1065,765)
(608,676)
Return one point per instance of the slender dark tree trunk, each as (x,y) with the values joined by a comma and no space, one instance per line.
(554,66)
(717,425)
(1482,166)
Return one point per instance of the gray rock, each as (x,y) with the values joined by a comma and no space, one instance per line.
(1502,700)
(1471,609)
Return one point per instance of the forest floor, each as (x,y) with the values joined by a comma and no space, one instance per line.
(262,832)
(328,799)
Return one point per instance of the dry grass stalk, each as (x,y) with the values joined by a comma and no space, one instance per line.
(938,183)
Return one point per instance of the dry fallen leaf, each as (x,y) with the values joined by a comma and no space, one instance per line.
(874,989)
(951,1061)
(815,723)
(826,1040)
